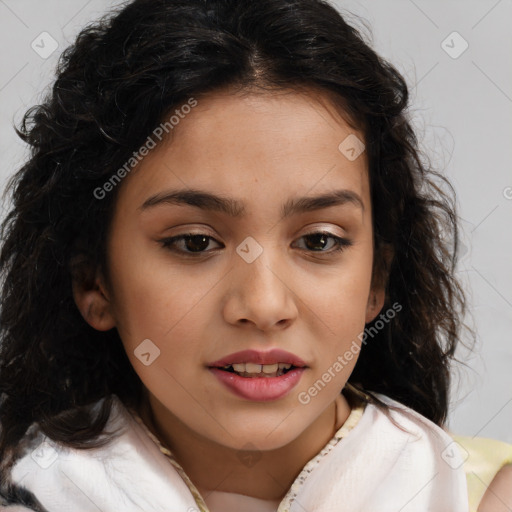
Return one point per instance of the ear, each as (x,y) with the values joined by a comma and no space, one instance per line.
(92,300)
(375,303)
(380,274)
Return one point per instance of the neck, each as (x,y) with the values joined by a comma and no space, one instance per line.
(214,467)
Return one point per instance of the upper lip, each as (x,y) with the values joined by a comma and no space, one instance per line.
(254,356)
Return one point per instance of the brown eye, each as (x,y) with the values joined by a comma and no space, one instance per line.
(318,241)
(190,243)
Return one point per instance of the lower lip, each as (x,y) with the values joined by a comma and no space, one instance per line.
(260,389)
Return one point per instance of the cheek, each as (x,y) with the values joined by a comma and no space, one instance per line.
(340,297)
(340,306)
(153,298)
(168,310)
(160,308)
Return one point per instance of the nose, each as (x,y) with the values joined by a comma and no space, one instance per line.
(261,294)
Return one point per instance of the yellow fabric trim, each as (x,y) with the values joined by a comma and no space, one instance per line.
(485,457)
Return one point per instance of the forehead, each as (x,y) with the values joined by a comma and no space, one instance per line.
(265,146)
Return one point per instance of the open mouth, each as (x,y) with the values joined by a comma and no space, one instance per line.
(257,382)
(251,370)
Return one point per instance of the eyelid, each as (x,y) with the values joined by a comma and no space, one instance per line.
(310,230)
(321,228)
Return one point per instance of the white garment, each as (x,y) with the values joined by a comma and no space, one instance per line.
(376,467)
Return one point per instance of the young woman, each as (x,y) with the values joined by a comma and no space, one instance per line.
(225,284)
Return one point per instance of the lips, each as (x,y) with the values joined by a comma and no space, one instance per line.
(267,383)
(274,356)
(259,389)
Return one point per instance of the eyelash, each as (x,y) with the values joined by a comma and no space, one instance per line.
(169,243)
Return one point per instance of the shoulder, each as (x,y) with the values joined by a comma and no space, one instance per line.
(128,473)
(42,465)
(392,459)
(498,496)
(409,455)
(418,429)
(488,467)
(422,441)
(36,451)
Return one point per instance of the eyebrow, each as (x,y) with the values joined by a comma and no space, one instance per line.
(235,208)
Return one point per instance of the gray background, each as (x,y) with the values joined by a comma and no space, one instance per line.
(461,107)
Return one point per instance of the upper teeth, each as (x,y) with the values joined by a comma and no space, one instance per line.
(258,368)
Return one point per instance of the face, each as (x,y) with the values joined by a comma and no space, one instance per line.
(256,274)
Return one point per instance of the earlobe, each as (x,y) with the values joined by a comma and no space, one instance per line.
(93,303)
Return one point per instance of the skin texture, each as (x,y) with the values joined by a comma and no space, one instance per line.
(261,149)
(498,497)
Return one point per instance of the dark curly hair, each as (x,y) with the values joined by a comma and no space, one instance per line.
(114,85)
